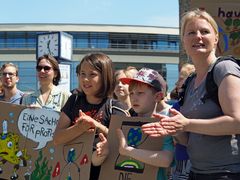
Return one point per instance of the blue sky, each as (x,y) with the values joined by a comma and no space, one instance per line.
(123,12)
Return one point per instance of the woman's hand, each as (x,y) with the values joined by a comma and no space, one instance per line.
(166,125)
(175,123)
(123,146)
(156,129)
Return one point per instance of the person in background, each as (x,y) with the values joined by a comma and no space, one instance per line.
(1,88)
(121,91)
(184,72)
(48,96)
(147,91)
(9,80)
(212,132)
(182,166)
(92,107)
(78,89)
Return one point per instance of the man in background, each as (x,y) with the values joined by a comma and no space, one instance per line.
(9,78)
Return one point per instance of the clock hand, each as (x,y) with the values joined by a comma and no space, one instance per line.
(48,46)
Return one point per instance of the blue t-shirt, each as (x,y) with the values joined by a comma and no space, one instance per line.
(167,145)
(16,99)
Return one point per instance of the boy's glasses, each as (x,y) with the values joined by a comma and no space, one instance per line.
(45,68)
(9,74)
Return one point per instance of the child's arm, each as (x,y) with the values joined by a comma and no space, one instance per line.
(65,133)
(94,123)
(155,158)
(102,151)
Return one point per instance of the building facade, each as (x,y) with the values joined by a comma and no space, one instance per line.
(139,46)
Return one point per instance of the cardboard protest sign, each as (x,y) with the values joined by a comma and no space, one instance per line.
(226,14)
(121,167)
(27,151)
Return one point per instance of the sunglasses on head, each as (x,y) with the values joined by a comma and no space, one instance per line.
(45,68)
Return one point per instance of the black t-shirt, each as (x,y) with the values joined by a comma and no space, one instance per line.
(101,112)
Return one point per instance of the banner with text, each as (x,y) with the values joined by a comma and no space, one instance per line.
(27,150)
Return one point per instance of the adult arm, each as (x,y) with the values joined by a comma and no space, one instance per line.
(226,124)
(229,100)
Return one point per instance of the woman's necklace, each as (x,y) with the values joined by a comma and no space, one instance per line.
(45,96)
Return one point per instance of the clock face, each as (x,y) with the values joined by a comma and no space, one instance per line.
(48,44)
(66,47)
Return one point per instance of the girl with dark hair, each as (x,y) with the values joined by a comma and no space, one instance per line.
(92,107)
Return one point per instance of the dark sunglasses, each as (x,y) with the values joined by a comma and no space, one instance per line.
(45,68)
(10,74)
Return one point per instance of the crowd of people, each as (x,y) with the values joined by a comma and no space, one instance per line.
(200,137)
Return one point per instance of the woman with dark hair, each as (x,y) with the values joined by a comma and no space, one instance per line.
(48,95)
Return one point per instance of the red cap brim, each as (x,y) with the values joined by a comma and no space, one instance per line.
(125,80)
(129,80)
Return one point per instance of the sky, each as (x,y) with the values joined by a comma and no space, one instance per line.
(118,12)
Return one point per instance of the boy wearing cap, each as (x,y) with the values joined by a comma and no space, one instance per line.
(147,92)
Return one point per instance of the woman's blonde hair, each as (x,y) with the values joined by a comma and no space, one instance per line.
(197,13)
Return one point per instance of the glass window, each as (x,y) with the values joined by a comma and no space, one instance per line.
(2,43)
(80,43)
(74,79)
(93,43)
(97,40)
(10,43)
(172,76)
(103,43)
(27,76)
(20,43)
(2,39)
(80,39)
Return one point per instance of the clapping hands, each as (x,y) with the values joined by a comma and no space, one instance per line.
(166,125)
(85,121)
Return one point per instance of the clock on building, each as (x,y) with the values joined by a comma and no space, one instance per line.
(57,44)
